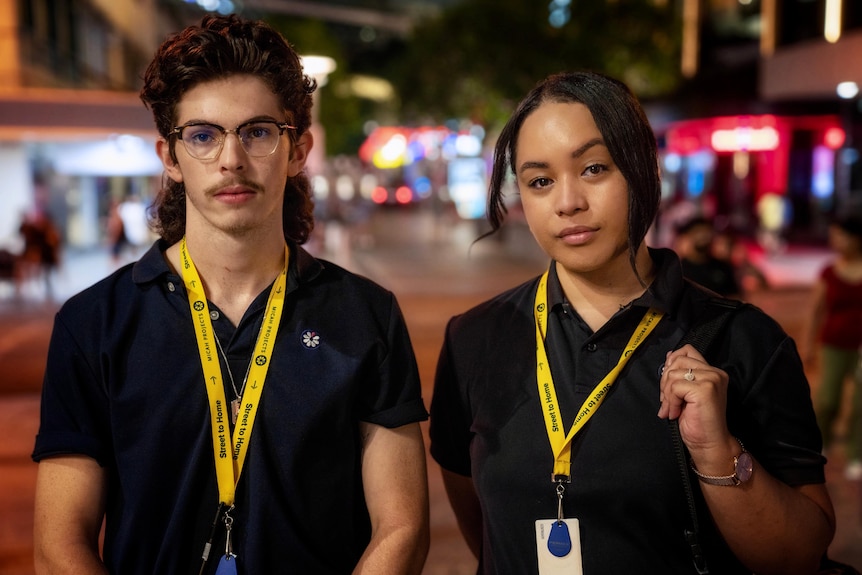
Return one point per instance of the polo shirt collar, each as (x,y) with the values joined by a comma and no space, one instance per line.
(665,290)
(152,264)
(304,267)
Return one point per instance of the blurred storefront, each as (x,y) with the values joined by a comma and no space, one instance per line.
(71,154)
(754,174)
(763,133)
(440,164)
(74,136)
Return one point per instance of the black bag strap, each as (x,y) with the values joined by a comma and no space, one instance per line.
(701,336)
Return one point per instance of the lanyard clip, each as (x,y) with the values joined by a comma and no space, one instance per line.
(560,491)
(560,478)
(228,526)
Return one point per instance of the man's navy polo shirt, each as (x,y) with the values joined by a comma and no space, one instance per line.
(124,385)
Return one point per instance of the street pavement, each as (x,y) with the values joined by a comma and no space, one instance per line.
(431,266)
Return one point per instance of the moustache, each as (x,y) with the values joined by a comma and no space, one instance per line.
(242,182)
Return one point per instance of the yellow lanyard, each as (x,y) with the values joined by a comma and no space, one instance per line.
(561,443)
(228,468)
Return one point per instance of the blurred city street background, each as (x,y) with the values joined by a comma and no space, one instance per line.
(755,106)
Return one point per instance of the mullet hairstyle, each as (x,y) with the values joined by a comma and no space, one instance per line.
(223,46)
(626,132)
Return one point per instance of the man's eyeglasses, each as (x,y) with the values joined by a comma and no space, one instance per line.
(259,138)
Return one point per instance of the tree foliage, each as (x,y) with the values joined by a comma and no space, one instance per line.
(481,56)
(342,113)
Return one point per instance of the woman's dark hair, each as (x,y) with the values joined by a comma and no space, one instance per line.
(223,46)
(626,132)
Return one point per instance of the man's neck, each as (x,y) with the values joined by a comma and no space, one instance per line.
(233,271)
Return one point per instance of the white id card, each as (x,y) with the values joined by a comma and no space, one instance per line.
(550,564)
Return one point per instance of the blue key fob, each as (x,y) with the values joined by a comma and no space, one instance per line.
(559,540)
(227,565)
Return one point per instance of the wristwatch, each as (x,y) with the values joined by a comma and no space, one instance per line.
(743,467)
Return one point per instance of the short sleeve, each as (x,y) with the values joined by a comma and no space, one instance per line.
(74,408)
(450,425)
(397,398)
(772,411)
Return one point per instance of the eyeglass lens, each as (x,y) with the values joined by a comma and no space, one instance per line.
(204,141)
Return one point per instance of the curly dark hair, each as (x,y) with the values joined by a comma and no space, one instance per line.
(219,47)
(624,127)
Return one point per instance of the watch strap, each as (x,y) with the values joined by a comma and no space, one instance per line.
(723,480)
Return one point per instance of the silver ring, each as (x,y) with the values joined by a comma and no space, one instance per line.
(689,376)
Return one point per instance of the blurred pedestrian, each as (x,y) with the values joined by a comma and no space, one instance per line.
(695,246)
(133,212)
(41,256)
(601,329)
(116,232)
(228,391)
(836,326)
(8,272)
(727,246)
(128,229)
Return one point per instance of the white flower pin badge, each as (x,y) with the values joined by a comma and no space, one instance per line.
(310,339)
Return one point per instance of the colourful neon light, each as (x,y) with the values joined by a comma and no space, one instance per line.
(833,138)
(745,139)
(403,195)
(379,195)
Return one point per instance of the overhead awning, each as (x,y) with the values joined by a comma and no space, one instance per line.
(125,155)
(45,114)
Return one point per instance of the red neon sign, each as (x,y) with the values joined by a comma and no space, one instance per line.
(745,139)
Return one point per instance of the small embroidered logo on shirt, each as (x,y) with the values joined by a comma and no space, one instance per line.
(310,339)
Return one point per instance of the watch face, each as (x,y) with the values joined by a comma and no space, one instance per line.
(744,467)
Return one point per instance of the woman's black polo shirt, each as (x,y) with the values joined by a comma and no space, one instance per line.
(487,423)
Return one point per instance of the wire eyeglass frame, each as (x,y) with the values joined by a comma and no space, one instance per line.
(242,133)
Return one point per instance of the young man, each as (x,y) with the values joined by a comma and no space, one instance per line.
(229,402)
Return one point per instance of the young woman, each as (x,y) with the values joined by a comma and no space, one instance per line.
(551,400)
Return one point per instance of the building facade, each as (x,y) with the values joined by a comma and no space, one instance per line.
(74,136)
(760,137)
